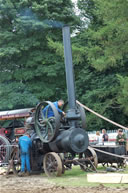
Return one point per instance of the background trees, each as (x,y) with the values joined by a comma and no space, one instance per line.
(32,63)
(30,71)
(105,41)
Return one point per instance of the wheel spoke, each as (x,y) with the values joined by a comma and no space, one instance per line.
(46,115)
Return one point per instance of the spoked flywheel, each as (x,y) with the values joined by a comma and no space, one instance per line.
(47,121)
(52,164)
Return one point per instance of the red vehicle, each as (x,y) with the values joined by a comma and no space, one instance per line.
(12,126)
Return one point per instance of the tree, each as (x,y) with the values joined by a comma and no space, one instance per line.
(30,71)
(96,73)
(105,60)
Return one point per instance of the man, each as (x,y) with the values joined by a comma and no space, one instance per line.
(25,144)
(105,136)
(121,138)
(48,110)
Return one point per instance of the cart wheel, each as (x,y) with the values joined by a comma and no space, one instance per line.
(52,164)
(90,164)
(5,150)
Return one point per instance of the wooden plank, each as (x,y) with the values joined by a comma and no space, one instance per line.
(114,178)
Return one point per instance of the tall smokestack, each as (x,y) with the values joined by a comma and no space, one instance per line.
(69,67)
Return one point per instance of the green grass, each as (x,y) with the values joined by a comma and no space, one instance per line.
(78,178)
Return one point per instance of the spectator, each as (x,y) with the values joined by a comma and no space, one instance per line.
(49,110)
(98,138)
(121,138)
(104,136)
(25,144)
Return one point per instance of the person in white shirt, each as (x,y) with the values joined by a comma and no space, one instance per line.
(99,138)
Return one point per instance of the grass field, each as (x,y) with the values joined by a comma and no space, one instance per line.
(78,178)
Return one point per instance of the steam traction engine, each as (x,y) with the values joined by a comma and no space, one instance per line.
(59,139)
(59,142)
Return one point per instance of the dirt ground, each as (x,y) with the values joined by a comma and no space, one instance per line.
(40,184)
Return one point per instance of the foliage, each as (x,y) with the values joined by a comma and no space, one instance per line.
(97,62)
(105,60)
(30,71)
(123,93)
(16,94)
(32,58)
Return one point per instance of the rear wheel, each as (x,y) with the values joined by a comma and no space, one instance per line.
(92,162)
(16,166)
(5,150)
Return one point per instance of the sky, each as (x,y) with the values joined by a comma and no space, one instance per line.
(74,0)
(76,8)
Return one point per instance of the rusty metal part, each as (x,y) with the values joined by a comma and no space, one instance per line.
(82,162)
(52,164)
(91,156)
(78,160)
(46,127)
(14,114)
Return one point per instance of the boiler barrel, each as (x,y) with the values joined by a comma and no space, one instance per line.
(71,140)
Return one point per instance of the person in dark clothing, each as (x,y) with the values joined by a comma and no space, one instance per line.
(25,144)
(121,138)
(48,110)
(105,136)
